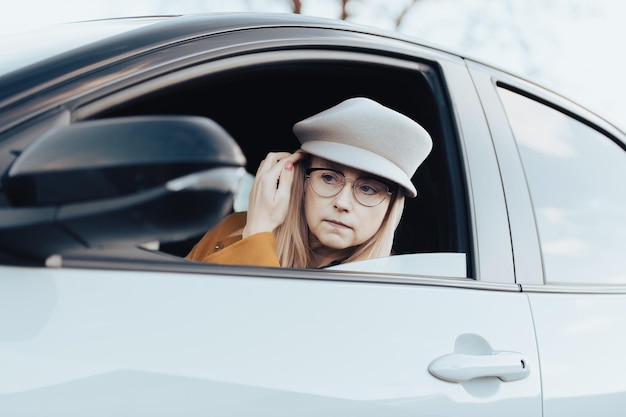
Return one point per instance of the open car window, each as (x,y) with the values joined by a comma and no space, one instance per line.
(258,103)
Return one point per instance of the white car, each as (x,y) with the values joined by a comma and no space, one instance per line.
(122,141)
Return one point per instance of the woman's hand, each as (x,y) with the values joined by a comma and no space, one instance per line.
(271,193)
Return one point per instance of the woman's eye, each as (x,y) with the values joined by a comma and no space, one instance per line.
(368,189)
(330,178)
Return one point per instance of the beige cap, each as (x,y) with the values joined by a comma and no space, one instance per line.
(365,135)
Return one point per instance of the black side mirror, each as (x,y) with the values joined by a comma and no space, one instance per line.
(119,182)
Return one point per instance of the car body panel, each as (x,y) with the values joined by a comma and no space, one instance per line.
(581,347)
(140,342)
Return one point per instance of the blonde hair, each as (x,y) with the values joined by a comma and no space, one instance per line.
(292,237)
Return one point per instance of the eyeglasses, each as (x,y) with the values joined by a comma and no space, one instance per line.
(328,183)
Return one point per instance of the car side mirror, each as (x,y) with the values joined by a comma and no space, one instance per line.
(117,182)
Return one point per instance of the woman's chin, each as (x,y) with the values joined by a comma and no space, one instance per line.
(334,242)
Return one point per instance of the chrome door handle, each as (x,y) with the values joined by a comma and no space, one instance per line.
(461,367)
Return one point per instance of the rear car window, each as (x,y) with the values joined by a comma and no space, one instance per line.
(576,179)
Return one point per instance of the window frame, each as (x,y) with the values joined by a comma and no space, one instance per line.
(351,62)
(529,271)
(492,263)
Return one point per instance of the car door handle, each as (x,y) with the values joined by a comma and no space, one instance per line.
(461,367)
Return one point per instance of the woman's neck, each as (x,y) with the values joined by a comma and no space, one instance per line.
(324,256)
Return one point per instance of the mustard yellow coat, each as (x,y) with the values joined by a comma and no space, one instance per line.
(224,245)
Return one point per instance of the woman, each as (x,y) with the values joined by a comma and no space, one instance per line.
(338,199)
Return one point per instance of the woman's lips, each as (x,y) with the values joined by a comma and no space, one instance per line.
(338,224)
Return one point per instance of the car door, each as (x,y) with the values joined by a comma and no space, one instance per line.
(107,333)
(563,168)
(233,341)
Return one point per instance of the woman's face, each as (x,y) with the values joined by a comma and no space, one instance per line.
(340,221)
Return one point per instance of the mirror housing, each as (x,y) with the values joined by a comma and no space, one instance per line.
(119,182)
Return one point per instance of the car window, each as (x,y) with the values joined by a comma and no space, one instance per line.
(576,178)
(258,105)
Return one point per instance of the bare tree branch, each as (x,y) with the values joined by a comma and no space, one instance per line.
(296,6)
(344,9)
(404,12)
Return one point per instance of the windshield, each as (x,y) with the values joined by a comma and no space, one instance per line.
(22,49)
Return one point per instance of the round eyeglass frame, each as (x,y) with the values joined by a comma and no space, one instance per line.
(309,171)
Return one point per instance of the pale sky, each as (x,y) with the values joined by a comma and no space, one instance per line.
(571,46)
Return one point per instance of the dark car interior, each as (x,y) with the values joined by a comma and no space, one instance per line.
(258,106)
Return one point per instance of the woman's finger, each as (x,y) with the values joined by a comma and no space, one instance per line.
(270,161)
(286,176)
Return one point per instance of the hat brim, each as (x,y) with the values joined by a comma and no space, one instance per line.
(362,160)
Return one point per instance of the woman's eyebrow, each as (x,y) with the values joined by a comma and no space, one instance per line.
(341,168)
(327,165)
(347,171)
(336,167)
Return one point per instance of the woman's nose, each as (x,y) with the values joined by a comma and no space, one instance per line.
(345,199)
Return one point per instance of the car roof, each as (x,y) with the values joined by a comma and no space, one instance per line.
(25,48)
(63,49)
